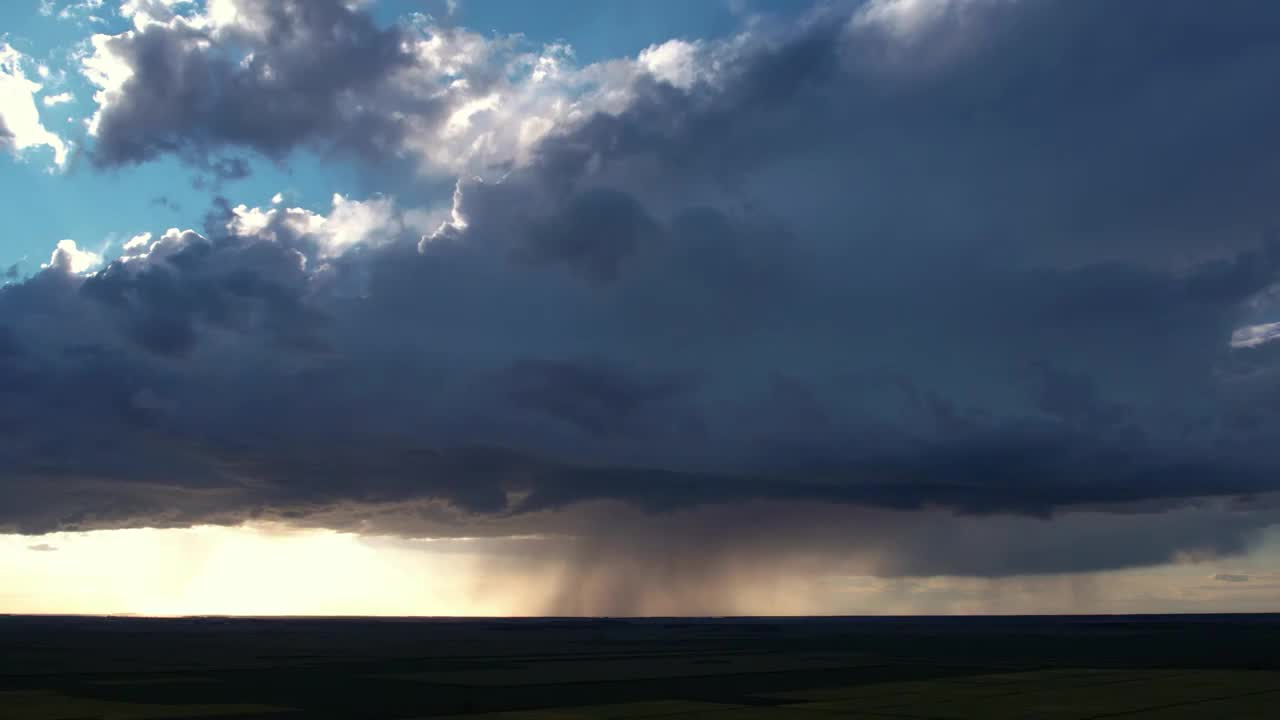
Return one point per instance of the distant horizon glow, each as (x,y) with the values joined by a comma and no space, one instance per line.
(273,570)
(259,570)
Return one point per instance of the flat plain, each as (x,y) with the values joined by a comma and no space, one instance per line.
(1068,668)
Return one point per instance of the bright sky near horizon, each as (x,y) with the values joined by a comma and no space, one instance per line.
(269,570)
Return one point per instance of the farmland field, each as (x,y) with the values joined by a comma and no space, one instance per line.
(78,668)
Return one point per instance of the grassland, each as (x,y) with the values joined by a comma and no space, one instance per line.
(1218,667)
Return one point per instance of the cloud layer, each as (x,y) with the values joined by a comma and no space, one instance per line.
(273,76)
(890,287)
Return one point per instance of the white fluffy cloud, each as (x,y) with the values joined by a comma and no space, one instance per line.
(146,12)
(1255,335)
(144,246)
(69,258)
(349,223)
(73,9)
(58,99)
(136,245)
(675,61)
(20,126)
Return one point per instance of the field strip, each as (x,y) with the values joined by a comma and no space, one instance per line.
(1185,703)
(1028,691)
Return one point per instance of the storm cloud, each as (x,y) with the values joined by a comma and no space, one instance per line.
(303,74)
(267,78)
(888,287)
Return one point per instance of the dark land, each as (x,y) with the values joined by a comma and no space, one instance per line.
(76,668)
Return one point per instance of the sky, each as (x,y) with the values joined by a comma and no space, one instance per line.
(405,307)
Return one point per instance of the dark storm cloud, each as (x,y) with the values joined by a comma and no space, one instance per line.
(599,400)
(189,282)
(598,230)
(292,72)
(8,343)
(896,287)
(888,131)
